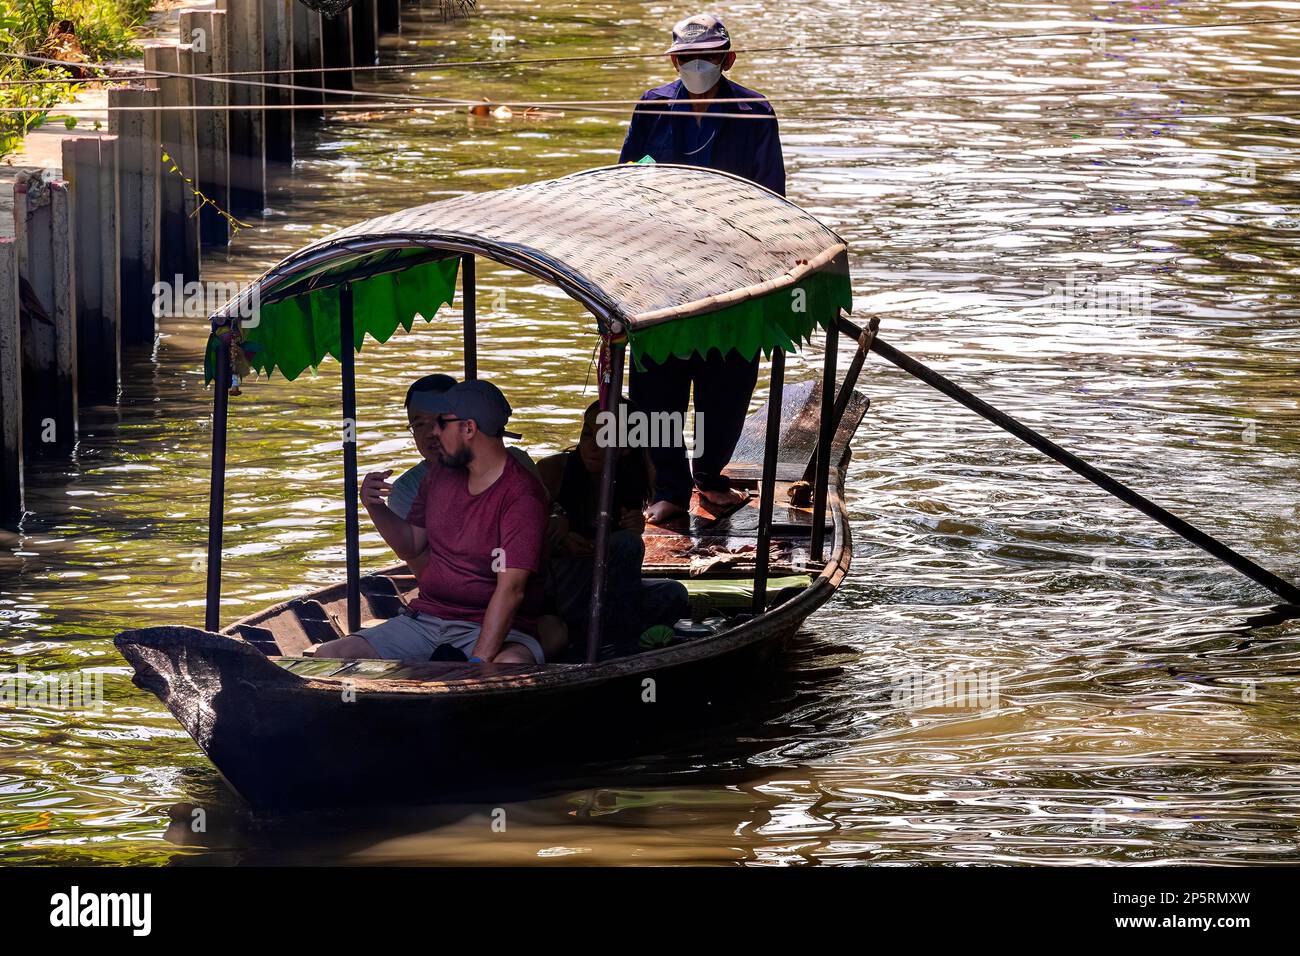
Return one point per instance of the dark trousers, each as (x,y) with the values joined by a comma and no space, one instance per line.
(723,387)
(632,603)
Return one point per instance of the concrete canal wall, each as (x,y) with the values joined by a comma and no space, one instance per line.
(91,218)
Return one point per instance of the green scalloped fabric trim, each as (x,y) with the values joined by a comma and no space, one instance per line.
(767,323)
(297,333)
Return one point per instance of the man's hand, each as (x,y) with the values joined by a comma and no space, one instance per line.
(375,488)
(407,541)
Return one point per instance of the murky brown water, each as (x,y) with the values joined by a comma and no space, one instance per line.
(1144,711)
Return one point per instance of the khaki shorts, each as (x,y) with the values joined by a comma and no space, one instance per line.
(414,636)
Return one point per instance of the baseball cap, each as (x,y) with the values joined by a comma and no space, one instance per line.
(435,383)
(476,399)
(701,32)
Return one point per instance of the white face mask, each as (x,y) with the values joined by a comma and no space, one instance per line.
(698,76)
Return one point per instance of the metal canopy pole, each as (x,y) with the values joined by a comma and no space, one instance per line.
(825,438)
(469,306)
(767,494)
(217,487)
(348,359)
(617,355)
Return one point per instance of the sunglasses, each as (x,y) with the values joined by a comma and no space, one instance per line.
(428,425)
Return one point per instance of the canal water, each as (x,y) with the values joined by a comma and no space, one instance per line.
(1055,222)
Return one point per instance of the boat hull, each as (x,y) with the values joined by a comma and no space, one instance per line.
(282,742)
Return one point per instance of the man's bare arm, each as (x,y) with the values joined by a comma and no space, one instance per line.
(406,540)
(500,614)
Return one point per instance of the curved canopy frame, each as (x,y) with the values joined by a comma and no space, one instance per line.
(679,259)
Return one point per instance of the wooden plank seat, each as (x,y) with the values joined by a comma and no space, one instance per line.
(316,621)
(383,595)
(263,638)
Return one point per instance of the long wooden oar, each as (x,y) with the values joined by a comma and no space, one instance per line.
(1262,576)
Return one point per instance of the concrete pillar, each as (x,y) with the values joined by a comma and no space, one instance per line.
(365,33)
(307,55)
(90,169)
(11,387)
(139,165)
(178,248)
(277,53)
(47,323)
(247,123)
(188,143)
(336,41)
(205,30)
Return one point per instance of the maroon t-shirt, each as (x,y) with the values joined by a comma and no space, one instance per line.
(471,537)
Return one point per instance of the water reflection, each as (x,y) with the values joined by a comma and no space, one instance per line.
(1112,268)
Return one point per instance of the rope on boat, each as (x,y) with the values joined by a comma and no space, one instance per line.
(1260,575)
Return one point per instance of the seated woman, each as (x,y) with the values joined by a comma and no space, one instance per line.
(572,478)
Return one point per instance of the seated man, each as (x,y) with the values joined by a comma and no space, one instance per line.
(572,479)
(482,517)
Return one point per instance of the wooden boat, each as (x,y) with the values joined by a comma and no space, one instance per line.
(287,729)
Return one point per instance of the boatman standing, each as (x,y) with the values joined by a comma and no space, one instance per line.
(685,122)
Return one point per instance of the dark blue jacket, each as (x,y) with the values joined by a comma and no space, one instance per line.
(746,147)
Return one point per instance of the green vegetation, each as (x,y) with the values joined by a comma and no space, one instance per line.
(71,30)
